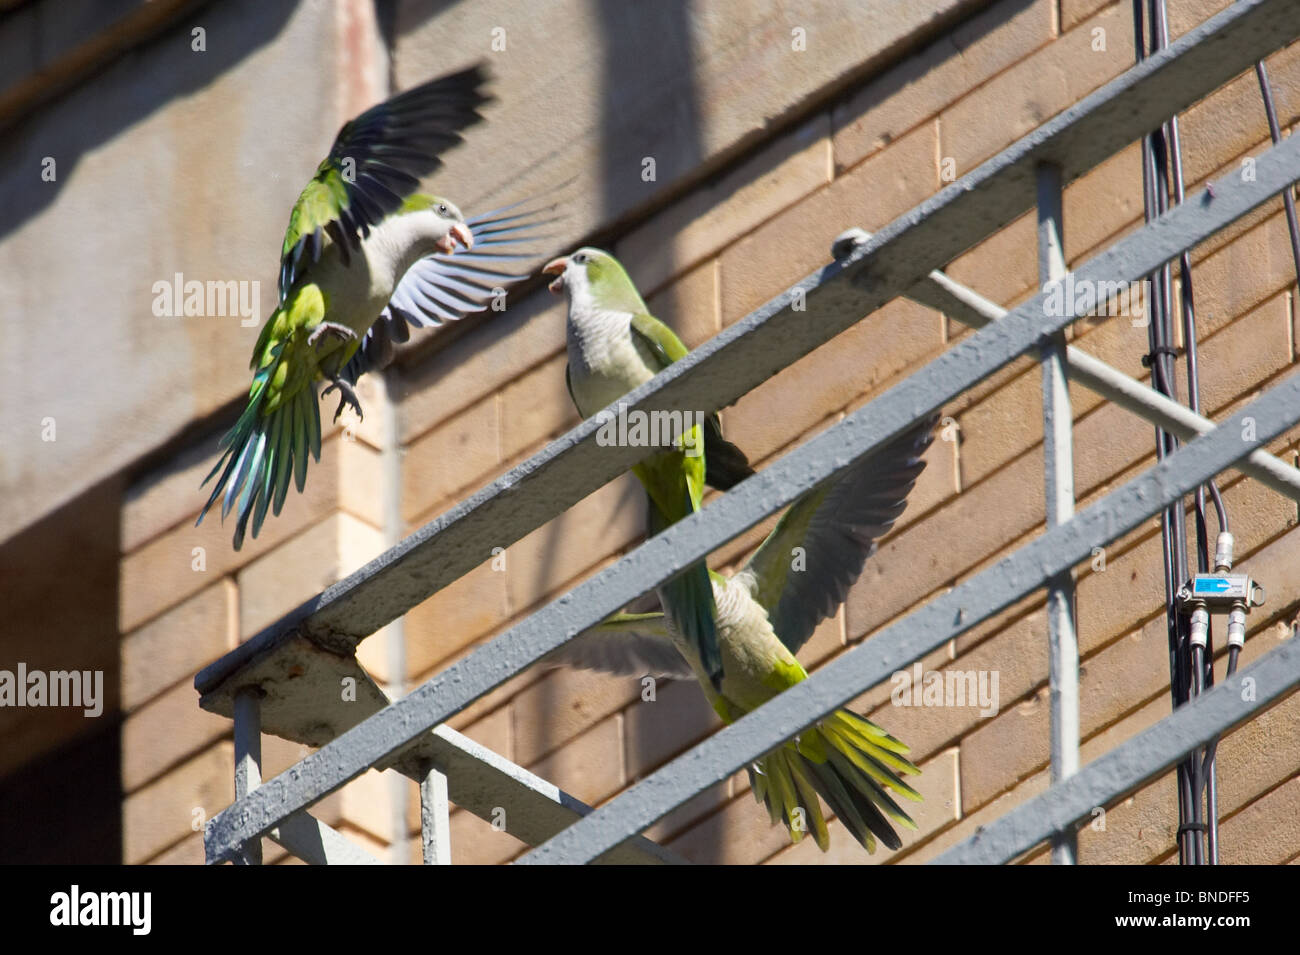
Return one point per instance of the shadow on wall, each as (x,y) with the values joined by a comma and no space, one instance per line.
(66,130)
(60,770)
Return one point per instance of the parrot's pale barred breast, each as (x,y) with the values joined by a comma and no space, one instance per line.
(604,361)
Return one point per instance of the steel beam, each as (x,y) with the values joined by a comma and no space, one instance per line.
(941,620)
(390,731)
(776,335)
(435,826)
(315,843)
(1135,762)
(1058,480)
(963,304)
(248,761)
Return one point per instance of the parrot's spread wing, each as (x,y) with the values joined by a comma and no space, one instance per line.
(726,465)
(626,644)
(443,287)
(804,568)
(376,162)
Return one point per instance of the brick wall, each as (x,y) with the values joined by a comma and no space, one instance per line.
(495,396)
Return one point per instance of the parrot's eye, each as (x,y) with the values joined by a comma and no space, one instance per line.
(442,208)
(580,258)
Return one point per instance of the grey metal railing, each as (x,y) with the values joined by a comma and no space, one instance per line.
(898,260)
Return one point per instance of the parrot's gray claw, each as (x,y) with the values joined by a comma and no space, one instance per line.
(332,328)
(347,396)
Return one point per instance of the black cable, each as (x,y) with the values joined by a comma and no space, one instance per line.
(1275,134)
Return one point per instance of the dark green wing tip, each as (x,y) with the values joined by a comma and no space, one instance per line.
(385,152)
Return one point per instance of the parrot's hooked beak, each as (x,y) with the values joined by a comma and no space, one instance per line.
(459,233)
(556,267)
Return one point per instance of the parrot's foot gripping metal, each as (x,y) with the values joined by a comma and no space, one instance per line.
(347,396)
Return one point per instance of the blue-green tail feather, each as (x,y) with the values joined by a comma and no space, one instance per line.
(260,454)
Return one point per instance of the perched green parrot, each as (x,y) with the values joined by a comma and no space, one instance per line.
(615,345)
(766,611)
(364,257)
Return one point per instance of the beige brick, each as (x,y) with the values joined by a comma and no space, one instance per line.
(1009,422)
(1035,89)
(188,851)
(493,731)
(165,731)
(480,362)
(678,717)
(302,567)
(599,525)
(563,704)
(873,701)
(689,813)
(891,105)
(1132,669)
(365,841)
(928,554)
(1190,13)
(939,807)
(868,355)
(1266,832)
(787,248)
(1074,12)
(363,488)
(1230,121)
(451,458)
(455,617)
(1018,655)
(536,408)
(691,305)
(1004,267)
(162,573)
(169,497)
(1254,758)
(738,834)
(163,812)
(714,215)
(589,766)
(1245,273)
(1035,784)
(475,842)
(366,803)
(178,644)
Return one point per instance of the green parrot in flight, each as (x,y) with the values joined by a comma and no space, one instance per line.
(768,610)
(614,346)
(364,258)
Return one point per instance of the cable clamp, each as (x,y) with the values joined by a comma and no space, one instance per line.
(1150,357)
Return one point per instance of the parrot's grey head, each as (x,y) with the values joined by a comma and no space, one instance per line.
(448,221)
(578,272)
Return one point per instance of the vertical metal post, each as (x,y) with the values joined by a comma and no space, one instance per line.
(435,827)
(248,758)
(1058,479)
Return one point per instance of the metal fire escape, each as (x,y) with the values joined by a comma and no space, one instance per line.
(287,679)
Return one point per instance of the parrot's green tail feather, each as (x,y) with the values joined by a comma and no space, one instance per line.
(846,760)
(688,599)
(262,451)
